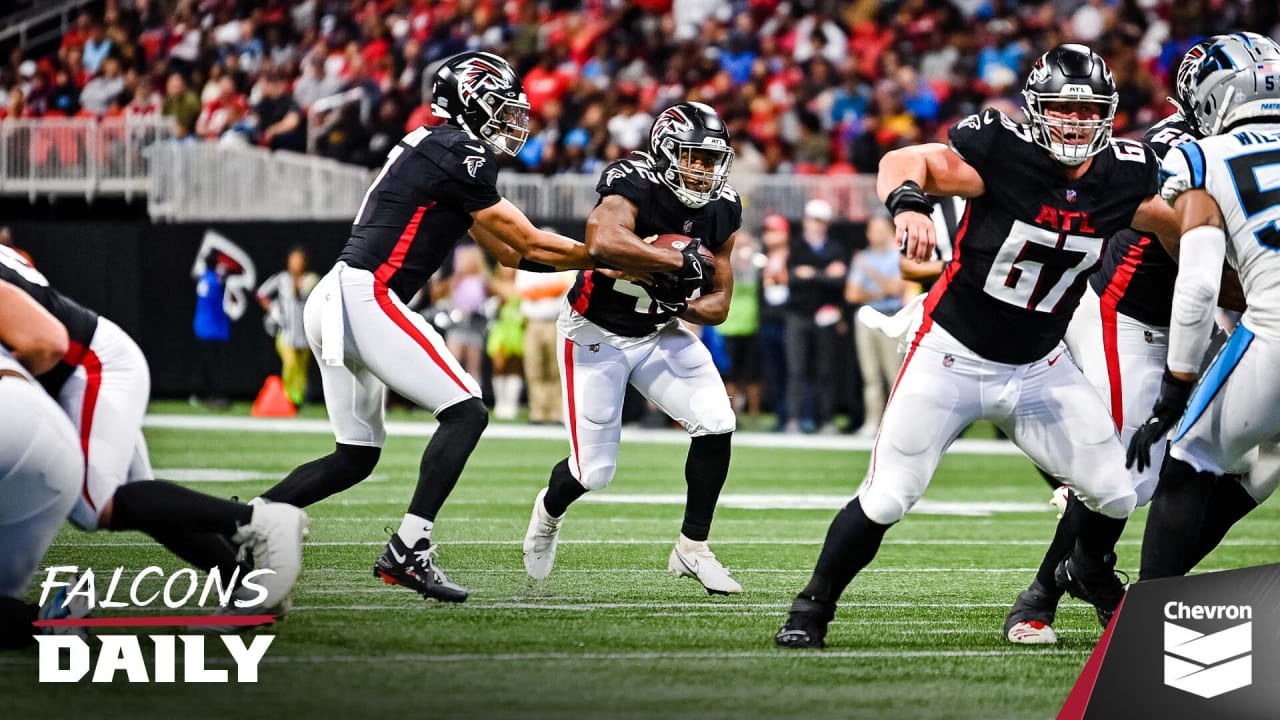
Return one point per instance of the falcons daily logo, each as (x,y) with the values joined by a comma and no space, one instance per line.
(476,75)
(671,121)
(473,163)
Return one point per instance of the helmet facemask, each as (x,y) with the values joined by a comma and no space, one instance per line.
(1071,141)
(696,172)
(507,129)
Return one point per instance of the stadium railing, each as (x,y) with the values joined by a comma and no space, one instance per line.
(213,181)
(78,156)
(324,112)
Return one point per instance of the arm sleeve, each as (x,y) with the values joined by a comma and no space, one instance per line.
(1195,294)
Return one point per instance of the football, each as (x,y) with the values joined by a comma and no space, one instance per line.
(680,242)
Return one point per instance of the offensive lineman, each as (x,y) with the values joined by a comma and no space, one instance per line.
(40,460)
(1043,199)
(1119,337)
(614,333)
(438,183)
(103,383)
(1229,211)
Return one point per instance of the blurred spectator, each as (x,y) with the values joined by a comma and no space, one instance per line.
(181,103)
(875,281)
(103,89)
(505,346)
(145,100)
(816,268)
(212,328)
(468,289)
(223,112)
(541,295)
(97,47)
(278,118)
(739,330)
(283,296)
(774,292)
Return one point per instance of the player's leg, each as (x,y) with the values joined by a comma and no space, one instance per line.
(935,397)
(593,381)
(1060,422)
(353,397)
(402,350)
(680,377)
(1231,413)
(41,470)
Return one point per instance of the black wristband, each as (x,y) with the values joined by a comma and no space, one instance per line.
(537,267)
(908,197)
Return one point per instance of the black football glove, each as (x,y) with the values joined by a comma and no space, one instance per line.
(696,272)
(668,293)
(1172,403)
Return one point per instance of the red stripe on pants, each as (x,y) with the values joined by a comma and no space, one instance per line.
(1111,351)
(573,415)
(87,359)
(383,297)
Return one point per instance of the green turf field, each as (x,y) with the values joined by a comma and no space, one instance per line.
(610,634)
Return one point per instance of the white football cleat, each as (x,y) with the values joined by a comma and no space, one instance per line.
(540,540)
(274,537)
(698,562)
(1032,632)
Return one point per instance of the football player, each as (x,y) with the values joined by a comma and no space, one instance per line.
(102,383)
(1119,337)
(1228,212)
(1043,198)
(437,184)
(40,460)
(616,331)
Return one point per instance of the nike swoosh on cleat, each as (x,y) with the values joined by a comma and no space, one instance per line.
(399,558)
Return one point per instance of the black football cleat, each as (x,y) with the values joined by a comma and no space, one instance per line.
(1030,620)
(806,626)
(1097,586)
(416,569)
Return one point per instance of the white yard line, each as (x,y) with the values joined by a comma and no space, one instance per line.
(718,542)
(503,431)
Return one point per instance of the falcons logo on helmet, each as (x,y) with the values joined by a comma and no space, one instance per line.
(671,121)
(475,75)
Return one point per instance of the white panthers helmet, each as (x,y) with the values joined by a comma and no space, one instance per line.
(1238,81)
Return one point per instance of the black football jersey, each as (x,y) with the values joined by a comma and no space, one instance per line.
(1026,247)
(623,307)
(1137,275)
(419,206)
(80,321)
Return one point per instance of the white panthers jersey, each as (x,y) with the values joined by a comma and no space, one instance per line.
(9,362)
(1241,170)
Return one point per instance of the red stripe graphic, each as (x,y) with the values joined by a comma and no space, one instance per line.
(160,620)
(573,415)
(584,296)
(1109,301)
(1078,701)
(398,253)
(87,359)
(383,297)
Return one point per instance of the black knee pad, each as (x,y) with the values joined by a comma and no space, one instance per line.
(357,460)
(468,418)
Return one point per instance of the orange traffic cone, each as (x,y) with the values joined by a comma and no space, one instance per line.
(272,400)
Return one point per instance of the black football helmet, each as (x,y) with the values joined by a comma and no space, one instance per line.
(1185,87)
(1071,74)
(689,148)
(480,93)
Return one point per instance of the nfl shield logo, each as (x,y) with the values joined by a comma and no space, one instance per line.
(688,226)
(1071,196)
(948,360)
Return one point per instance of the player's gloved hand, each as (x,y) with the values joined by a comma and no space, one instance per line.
(1174,395)
(696,272)
(668,293)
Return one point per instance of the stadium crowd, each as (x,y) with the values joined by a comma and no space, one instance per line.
(811,86)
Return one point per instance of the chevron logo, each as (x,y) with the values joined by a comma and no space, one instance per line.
(1208,665)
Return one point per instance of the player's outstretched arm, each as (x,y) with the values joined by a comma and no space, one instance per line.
(906,175)
(1156,217)
(35,337)
(1202,252)
(503,223)
(712,306)
(612,240)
